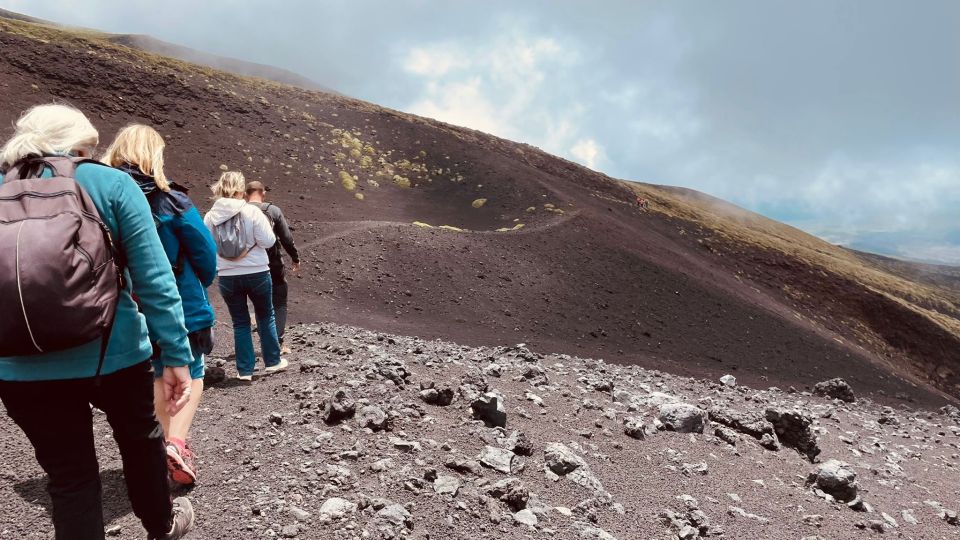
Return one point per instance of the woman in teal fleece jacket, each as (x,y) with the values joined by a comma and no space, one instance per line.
(48,395)
(138,151)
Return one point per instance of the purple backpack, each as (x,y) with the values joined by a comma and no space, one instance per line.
(60,276)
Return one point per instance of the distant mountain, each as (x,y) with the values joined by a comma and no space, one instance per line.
(172,50)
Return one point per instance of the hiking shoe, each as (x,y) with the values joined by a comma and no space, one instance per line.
(282,365)
(245,378)
(180,464)
(284,349)
(182,520)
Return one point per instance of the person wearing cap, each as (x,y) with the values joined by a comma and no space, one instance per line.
(256,195)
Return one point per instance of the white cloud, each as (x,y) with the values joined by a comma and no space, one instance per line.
(507,87)
(588,152)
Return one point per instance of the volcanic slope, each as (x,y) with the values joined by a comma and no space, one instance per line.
(417,227)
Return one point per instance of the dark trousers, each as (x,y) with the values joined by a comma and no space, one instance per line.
(56,417)
(279,301)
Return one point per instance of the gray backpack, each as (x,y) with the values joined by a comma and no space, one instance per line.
(60,274)
(231,238)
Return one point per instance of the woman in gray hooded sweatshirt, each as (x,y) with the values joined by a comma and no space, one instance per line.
(243,235)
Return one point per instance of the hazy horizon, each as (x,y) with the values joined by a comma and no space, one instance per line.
(839,118)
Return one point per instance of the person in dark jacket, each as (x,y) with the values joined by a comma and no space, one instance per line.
(256,195)
(48,395)
(138,151)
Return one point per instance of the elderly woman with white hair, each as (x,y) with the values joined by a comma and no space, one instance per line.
(48,391)
(243,235)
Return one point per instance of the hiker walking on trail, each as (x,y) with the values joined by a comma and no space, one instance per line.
(191,252)
(256,195)
(77,237)
(243,234)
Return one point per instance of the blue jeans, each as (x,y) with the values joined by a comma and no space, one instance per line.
(259,289)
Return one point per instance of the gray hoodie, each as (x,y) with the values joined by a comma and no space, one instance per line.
(257,227)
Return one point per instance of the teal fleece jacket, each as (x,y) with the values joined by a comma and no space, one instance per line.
(125,211)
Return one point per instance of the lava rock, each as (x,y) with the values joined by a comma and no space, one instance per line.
(489,409)
(372,417)
(562,460)
(836,479)
(213,376)
(338,407)
(793,429)
(633,427)
(432,395)
(497,459)
(835,389)
(682,417)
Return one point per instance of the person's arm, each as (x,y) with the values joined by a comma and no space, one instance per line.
(198,245)
(262,231)
(151,274)
(284,236)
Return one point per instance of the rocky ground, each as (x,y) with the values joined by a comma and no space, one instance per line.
(371,435)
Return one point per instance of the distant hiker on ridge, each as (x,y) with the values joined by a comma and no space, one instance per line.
(243,235)
(138,151)
(256,195)
(71,335)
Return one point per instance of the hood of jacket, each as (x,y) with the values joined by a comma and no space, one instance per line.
(224,209)
(149,188)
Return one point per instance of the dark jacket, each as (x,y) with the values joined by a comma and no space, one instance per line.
(188,244)
(284,238)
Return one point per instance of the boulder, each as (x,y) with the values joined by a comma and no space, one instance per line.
(836,479)
(682,417)
(489,409)
(372,417)
(338,407)
(793,429)
(835,389)
(561,460)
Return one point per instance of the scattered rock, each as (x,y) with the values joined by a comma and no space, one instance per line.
(214,375)
(372,417)
(836,479)
(336,507)
(526,517)
(682,417)
(432,395)
(835,389)
(497,459)
(397,515)
(338,407)
(446,485)
(633,427)
(561,460)
(728,380)
(489,409)
(793,429)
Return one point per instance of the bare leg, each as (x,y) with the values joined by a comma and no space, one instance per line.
(160,406)
(179,425)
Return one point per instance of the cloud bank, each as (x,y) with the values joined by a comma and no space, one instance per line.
(841,118)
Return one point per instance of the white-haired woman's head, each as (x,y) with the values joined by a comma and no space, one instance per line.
(231,185)
(52,129)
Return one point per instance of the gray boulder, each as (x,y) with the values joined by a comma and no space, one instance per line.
(561,460)
(490,410)
(682,417)
(835,389)
(836,479)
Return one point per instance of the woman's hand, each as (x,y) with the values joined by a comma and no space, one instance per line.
(176,388)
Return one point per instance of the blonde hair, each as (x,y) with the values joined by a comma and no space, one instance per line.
(141,146)
(230,184)
(49,130)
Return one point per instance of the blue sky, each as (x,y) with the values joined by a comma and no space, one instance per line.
(839,117)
